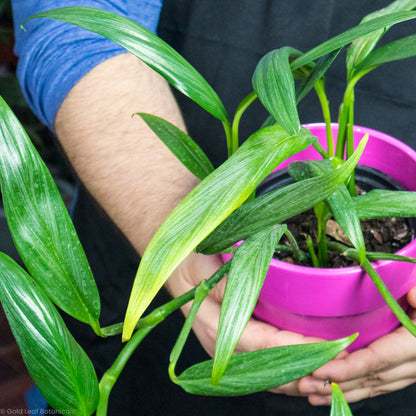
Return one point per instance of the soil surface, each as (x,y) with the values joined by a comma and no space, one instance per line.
(382,235)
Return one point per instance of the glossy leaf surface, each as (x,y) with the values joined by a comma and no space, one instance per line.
(350,35)
(315,75)
(382,203)
(40,224)
(60,368)
(339,406)
(207,205)
(361,48)
(260,370)
(277,206)
(394,51)
(246,276)
(340,202)
(275,87)
(146,46)
(180,144)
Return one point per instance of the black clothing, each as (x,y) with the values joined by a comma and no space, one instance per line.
(224,40)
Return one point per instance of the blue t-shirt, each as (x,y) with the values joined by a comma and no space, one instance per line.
(54,56)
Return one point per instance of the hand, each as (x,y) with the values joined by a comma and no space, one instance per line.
(257,335)
(386,365)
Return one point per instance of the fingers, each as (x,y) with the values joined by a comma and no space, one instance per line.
(387,365)
(387,352)
(324,397)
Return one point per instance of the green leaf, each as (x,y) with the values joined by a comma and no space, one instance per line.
(362,47)
(274,84)
(340,202)
(148,48)
(207,205)
(181,145)
(394,51)
(277,206)
(350,35)
(260,370)
(247,273)
(339,406)
(382,203)
(40,225)
(315,74)
(59,367)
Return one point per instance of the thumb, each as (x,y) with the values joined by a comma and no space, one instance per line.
(411,297)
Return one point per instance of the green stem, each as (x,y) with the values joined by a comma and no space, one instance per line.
(242,107)
(322,216)
(111,375)
(311,249)
(320,90)
(350,142)
(145,326)
(298,254)
(317,146)
(344,113)
(389,299)
(228,136)
(380,285)
(201,293)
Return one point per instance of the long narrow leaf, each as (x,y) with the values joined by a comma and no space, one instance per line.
(340,202)
(339,406)
(371,255)
(350,35)
(274,84)
(149,48)
(362,47)
(40,224)
(394,51)
(57,364)
(260,370)
(382,203)
(315,74)
(205,207)
(245,279)
(180,144)
(277,206)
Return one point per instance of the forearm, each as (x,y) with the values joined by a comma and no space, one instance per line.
(127,169)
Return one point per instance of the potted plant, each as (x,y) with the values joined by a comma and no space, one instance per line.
(207,219)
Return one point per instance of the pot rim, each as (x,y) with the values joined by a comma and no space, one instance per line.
(352,271)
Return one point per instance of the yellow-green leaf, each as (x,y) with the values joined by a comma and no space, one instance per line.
(205,207)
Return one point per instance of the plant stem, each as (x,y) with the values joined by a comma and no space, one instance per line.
(350,141)
(298,254)
(388,297)
(322,215)
(380,285)
(242,107)
(314,258)
(344,113)
(320,90)
(145,326)
(228,136)
(201,293)
(110,376)
(159,314)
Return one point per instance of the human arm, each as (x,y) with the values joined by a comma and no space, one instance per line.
(94,126)
(119,161)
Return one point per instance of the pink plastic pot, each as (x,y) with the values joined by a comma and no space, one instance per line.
(333,303)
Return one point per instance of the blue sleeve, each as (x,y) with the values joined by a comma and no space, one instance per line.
(54,56)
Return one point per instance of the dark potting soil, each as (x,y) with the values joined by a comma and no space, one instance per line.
(381,234)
